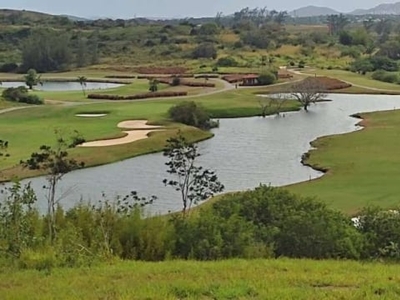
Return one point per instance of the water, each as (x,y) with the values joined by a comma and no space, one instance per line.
(64,86)
(244,152)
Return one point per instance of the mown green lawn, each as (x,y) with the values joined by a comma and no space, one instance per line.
(364,166)
(281,279)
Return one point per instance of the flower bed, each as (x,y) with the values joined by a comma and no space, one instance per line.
(137,96)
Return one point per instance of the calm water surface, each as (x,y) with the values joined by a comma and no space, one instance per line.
(244,152)
(64,86)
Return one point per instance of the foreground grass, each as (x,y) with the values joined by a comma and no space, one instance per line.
(234,279)
(363,166)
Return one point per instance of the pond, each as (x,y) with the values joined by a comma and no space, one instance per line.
(64,86)
(244,152)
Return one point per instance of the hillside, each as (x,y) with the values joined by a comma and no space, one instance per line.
(313,11)
(234,279)
(382,9)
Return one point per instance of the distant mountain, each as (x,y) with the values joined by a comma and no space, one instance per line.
(313,11)
(382,9)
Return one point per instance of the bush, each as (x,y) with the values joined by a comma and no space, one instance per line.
(266,78)
(21,94)
(8,67)
(190,113)
(227,61)
(175,81)
(385,76)
(291,225)
(302,64)
(205,50)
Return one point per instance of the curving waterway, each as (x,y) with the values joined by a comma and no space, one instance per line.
(244,152)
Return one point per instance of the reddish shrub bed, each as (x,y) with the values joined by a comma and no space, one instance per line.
(214,76)
(329,83)
(137,96)
(161,70)
(121,76)
(198,84)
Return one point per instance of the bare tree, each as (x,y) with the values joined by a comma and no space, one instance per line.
(273,104)
(308,91)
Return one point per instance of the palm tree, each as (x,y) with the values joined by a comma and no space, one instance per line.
(153,85)
(82,81)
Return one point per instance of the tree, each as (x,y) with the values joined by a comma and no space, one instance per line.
(273,104)
(32,78)
(82,81)
(195,183)
(46,50)
(153,85)
(55,163)
(308,91)
(266,78)
(191,114)
(205,50)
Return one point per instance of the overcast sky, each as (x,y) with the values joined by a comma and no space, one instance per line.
(173,8)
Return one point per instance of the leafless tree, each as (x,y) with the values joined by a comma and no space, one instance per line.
(308,91)
(273,104)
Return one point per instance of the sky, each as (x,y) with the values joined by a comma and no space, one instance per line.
(173,8)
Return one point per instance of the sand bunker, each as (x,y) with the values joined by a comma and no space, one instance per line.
(137,124)
(140,131)
(91,115)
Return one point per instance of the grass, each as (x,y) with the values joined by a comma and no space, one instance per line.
(357,79)
(34,127)
(363,166)
(233,279)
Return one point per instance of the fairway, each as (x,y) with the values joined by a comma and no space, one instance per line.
(363,166)
(235,279)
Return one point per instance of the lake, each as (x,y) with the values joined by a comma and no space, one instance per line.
(244,152)
(64,86)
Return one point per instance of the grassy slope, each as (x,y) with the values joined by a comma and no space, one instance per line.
(234,279)
(357,79)
(364,166)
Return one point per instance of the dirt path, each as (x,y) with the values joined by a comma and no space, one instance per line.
(10,109)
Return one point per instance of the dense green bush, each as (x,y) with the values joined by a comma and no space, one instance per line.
(205,50)
(191,114)
(363,65)
(21,94)
(385,76)
(227,61)
(9,67)
(265,222)
(266,78)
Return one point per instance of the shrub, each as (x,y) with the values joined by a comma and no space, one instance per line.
(21,94)
(301,64)
(266,78)
(190,113)
(205,50)
(8,67)
(175,81)
(227,61)
(385,76)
